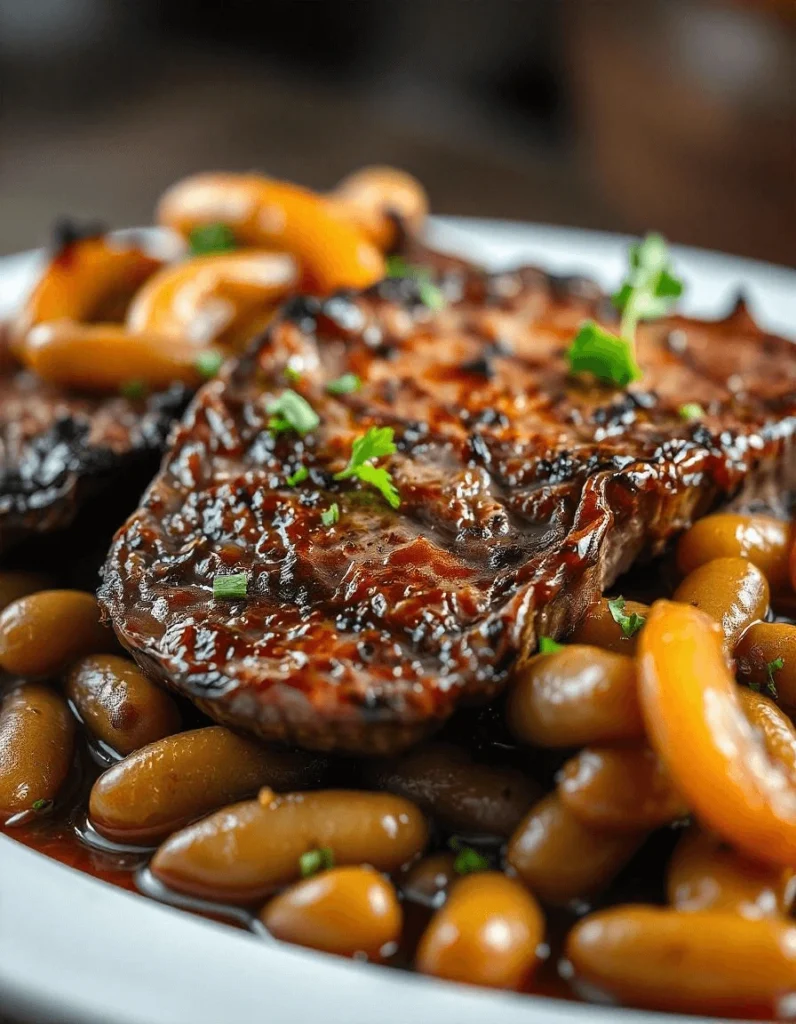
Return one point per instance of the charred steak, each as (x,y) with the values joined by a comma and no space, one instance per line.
(58,450)
(523,495)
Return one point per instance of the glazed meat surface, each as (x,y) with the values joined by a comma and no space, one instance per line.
(58,450)
(523,495)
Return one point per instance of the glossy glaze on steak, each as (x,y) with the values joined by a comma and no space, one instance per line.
(58,450)
(523,495)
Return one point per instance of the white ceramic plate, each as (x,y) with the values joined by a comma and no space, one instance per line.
(75,949)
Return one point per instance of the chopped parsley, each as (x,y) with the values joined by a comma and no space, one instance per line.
(648,292)
(547,645)
(604,355)
(208,364)
(133,389)
(691,411)
(300,475)
(431,295)
(292,374)
(292,412)
(313,861)
(344,385)
(208,238)
(629,624)
(231,585)
(468,860)
(375,444)
(40,806)
(771,668)
(331,515)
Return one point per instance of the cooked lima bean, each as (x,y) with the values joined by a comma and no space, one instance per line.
(37,735)
(462,795)
(620,788)
(372,196)
(777,730)
(705,873)
(118,704)
(761,645)
(575,696)
(599,628)
(486,934)
(242,853)
(732,591)
(762,540)
(43,633)
(348,911)
(175,780)
(560,858)
(705,962)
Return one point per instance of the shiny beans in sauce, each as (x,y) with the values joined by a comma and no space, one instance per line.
(732,591)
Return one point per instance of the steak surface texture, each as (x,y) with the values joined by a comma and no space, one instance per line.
(59,450)
(523,495)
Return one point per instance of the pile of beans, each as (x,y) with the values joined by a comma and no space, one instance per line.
(622,825)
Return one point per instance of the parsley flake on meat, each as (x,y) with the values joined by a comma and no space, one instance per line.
(230,585)
(344,385)
(375,444)
(629,624)
(292,412)
(300,475)
(547,645)
(331,515)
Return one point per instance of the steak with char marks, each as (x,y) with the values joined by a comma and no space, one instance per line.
(523,495)
(58,450)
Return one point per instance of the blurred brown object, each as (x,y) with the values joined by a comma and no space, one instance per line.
(687,116)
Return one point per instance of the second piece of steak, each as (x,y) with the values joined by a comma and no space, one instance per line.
(523,495)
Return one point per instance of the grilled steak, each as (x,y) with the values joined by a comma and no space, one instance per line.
(58,450)
(523,495)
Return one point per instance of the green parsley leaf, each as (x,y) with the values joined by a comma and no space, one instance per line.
(771,668)
(547,645)
(207,238)
(296,478)
(650,288)
(629,624)
(691,411)
(230,585)
(313,861)
(431,295)
(344,385)
(606,356)
(375,444)
(292,412)
(133,389)
(208,364)
(292,374)
(331,515)
(40,806)
(468,860)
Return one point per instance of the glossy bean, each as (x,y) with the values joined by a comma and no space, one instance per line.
(705,873)
(761,645)
(331,251)
(576,696)
(14,585)
(242,853)
(560,859)
(762,540)
(36,745)
(618,787)
(696,723)
(429,879)
(175,780)
(598,628)
(459,793)
(486,934)
(704,962)
(732,591)
(776,728)
(211,298)
(107,357)
(118,704)
(349,911)
(43,633)
(372,196)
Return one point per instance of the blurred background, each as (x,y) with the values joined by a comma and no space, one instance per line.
(614,114)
